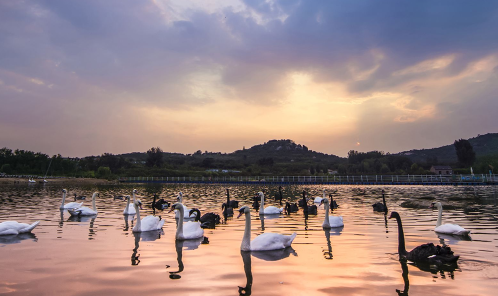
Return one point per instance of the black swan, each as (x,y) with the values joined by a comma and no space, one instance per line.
(308,210)
(81,197)
(233,203)
(159,204)
(333,203)
(119,197)
(380,206)
(208,220)
(291,207)
(423,254)
(279,196)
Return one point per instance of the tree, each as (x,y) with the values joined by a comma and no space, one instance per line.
(465,152)
(154,157)
(103,172)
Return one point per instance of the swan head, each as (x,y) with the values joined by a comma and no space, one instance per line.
(179,197)
(324,201)
(135,191)
(243,210)
(137,203)
(260,194)
(64,191)
(176,206)
(394,215)
(192,211)
(435,205)
(95,194)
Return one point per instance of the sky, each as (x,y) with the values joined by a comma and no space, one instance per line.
(84,78)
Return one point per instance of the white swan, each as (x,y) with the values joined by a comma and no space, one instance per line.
(270,210)
(186,210)
(130,208)
(148,223)
(85,211)
(187,230)
(264,242)
(447,228)
(319,199)
(71,205)
(330,221)
(14,227)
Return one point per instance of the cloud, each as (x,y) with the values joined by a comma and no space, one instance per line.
(390,67)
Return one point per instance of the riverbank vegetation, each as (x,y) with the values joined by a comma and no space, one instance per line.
(275,157)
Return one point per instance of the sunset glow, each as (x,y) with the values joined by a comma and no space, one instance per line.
(84,78)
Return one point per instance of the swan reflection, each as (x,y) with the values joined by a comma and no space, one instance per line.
(273,255)
(190,244)
(404,268)
(452,239)
(127,218)
(81,218)
(17,238)
(147,236)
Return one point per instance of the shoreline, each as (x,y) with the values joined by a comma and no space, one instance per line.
(63,180)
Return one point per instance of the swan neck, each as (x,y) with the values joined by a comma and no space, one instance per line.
(63,200)
(138,226)
(93,202)
(384,200)
(401,238)
(246,240)
(327,214)
(127,205)
(439,216)
(262,207)
(228,198)
(179,228)
(134,199)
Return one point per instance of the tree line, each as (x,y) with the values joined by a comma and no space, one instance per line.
(155,162)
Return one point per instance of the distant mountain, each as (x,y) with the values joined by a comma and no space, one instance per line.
(482,145)
(285,150)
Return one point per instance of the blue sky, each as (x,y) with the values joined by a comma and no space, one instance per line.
(87,77)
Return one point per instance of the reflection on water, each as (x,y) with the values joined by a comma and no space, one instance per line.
(364,253)
(404,268)
(273,255)
(17,238)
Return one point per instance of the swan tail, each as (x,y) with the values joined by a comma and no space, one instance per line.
(291,239)
(30,227)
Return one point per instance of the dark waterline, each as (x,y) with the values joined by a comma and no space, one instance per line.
(100,255)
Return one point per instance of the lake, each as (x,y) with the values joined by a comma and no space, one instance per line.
(101,255)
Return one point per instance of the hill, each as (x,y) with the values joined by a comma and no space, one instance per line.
(483,145)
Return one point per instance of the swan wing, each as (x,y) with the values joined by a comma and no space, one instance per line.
(14,227)
(131,210)
(336,221)
(83,211)
(28,227)
(452,229)
(271,241)
(150,223)
(72,205)
(192,230)
(273,210)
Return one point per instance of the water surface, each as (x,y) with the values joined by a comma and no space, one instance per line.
(100,255)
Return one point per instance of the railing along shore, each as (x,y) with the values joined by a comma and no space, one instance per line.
(481,179)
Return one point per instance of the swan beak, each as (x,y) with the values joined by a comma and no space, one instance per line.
(431,206)
(240,214)
(171,210)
